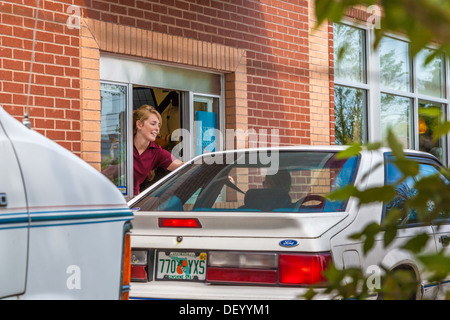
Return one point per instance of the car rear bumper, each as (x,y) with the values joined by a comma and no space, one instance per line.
(202,291)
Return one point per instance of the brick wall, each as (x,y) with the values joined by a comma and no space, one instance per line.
(55,84)
(286,67)
(274,34)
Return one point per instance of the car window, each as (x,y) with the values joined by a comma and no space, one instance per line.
(247,181)
(406,189)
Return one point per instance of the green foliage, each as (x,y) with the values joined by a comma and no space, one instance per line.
(423,21)
(438,264)
(431,203)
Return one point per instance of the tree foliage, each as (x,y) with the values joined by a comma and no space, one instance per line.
(431,202)
(424,22)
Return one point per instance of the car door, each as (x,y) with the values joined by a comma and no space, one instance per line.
(14,222)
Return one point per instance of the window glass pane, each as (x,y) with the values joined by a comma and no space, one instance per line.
(396,115)
(430,76)
(394,64)
(246,182)
(205,124)
(113,134)
(349,113)
(349,44)
(430,117)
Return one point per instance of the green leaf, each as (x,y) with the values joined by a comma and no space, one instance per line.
(373,146)
(389,235)
(342,193)
(383,194)
(441,130)
(351,151)
(395,145)
(438,264)
(409,168)
(417,243)
(370,231)
(310,294)
(392,218)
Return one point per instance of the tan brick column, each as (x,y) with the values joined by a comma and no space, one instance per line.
(319,60)
(90,98)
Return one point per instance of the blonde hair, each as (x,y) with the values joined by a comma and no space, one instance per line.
(143,113)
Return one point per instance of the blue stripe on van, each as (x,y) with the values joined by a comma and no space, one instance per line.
(14,220)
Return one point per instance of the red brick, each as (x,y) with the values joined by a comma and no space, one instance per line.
(44,80)
(6,75)
(63,124)
(73,114)
(44,123)
(53,48)
(12,87)
(6,52)
(54,92)
(5,97)
(12,20)
(21,77)
(44,101)
(54,70)
(12,42)
(55,134)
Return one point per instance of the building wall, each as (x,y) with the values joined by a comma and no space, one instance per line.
(55,84)
(277,66)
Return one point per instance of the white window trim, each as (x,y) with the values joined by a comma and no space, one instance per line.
(374,90)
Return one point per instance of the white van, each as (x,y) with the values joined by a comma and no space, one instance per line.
(64,228)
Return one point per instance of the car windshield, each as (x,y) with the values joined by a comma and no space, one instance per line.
(282,181)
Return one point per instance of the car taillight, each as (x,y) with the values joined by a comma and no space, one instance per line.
(179,223)
(242,268)
(266,268)
(302,269)
(230,275)
(139,265)
(126,264)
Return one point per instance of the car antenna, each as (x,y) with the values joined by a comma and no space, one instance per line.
(26,118)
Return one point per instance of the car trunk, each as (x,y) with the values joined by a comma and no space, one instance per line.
(233,224)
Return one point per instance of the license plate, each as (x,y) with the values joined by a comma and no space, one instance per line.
(181,265)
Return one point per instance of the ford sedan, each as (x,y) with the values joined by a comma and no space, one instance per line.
(256,224)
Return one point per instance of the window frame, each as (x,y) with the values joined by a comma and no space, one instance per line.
(187,98)
(129,142)
(364,86)
(374,90)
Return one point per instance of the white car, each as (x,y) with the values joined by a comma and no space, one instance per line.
(254,224)
(64,227)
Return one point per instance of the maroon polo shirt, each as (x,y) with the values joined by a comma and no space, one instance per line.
(153,157)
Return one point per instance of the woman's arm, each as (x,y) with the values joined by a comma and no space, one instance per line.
(175,164)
